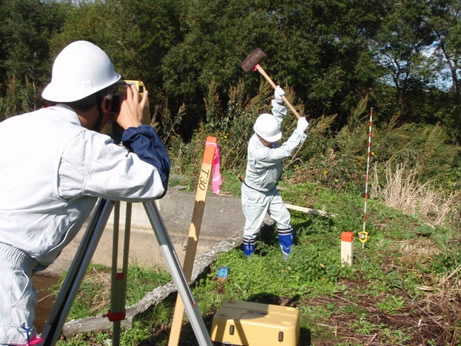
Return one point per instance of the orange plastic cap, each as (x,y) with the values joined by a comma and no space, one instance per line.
(347,236)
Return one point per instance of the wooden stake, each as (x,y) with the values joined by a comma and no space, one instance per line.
(194,232)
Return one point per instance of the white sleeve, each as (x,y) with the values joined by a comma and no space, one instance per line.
(268,156)
(92,165)
(279,111)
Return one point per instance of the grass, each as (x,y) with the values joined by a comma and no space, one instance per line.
(93,297)
(403,286)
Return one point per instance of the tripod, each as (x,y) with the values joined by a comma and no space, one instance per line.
(87,247)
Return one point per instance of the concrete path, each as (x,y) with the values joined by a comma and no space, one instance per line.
(222,219)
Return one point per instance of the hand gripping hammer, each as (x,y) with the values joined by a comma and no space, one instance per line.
(251,63)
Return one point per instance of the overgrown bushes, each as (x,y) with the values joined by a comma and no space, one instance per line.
(420,156)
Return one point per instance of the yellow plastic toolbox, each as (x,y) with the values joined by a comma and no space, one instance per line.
(255,324)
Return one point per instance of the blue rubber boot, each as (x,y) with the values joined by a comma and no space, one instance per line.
(286,238)
(248,246)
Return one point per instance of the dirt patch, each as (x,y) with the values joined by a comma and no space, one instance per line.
(46,299)
(429,317)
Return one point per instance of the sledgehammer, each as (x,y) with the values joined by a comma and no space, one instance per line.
(251,63)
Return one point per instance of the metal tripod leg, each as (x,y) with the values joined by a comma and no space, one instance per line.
(119,279)
(177,273)
(77,270)
(79,266)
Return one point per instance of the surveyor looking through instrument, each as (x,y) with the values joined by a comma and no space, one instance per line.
(263,171)
(54,166)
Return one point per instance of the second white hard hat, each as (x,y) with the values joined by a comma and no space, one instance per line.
(268,127)
(80,69)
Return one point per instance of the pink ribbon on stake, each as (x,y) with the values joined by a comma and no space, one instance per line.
(216,172)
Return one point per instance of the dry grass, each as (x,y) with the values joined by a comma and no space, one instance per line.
(100,298)
(403,191)
(419,250)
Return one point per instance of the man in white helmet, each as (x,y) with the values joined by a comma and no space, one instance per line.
(55,164)
(264,169)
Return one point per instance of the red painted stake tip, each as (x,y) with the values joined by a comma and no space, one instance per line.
(347,236)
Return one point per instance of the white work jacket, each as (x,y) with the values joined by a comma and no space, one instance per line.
(264,166)
(52,170)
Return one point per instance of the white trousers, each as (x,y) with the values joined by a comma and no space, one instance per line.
(17,297)
(255,205)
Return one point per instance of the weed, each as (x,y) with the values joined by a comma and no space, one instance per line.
(395,336)
(353,309)
(391,304)
(364,326)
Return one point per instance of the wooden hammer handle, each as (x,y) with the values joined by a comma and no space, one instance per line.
(271,82)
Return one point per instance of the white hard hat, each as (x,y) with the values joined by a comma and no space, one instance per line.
(80,70)
(268,127)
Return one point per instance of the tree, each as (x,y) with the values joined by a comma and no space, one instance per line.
(399,48)
(135,34)
(25,31)
(331,53)
(318,48)
(444,19)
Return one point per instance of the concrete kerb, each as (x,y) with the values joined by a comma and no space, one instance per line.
(222,218)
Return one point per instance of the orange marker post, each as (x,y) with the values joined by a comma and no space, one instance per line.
(194,232)
(346,247)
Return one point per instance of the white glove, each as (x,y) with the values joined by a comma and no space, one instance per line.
(278,93)
(302,124)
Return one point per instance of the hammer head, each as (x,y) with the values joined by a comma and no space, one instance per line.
(252,60)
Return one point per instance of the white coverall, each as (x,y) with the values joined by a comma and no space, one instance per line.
(52,170)
(259,190)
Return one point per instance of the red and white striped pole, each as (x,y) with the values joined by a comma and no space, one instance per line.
(363,236)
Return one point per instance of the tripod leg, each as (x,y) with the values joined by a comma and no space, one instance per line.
(115,286)
(119,279)
(77,270)
(176,272)
(126,248)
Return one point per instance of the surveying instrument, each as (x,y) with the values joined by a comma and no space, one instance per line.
(96,224)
